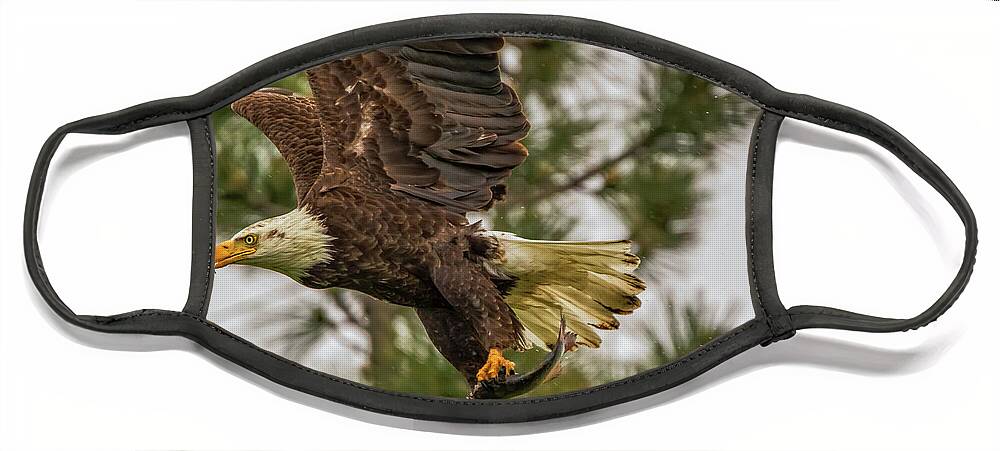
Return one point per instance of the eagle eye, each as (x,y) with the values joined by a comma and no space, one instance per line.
(250,239)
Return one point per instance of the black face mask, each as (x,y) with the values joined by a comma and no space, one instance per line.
(479,218)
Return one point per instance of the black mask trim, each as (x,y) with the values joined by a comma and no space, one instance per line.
(771,323)
(760,177)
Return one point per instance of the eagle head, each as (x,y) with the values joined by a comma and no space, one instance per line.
(290,244)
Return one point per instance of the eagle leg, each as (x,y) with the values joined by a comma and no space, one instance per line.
(496,366)
(516,385)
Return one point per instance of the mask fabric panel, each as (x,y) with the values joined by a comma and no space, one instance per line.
(618,149)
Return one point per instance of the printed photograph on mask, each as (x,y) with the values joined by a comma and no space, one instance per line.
(484,218)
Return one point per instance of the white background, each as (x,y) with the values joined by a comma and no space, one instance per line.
(852,229)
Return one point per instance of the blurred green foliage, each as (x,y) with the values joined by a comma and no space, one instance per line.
(642,166)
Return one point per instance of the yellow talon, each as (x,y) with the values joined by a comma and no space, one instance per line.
(495,361)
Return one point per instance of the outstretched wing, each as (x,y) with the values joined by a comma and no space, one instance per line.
(456,127)
(291,122)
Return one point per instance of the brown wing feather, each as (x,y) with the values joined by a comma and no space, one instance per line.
(455,338)
(339,112)
(446,100)
(476,299)
(292,123)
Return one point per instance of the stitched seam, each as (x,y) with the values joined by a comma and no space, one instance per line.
(754,281)
(828,312)
(692,356)
(211,216)
(753,221)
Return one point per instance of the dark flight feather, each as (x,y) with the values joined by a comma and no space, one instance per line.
(446,100)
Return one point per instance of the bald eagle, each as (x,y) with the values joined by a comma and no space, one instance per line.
(387,157)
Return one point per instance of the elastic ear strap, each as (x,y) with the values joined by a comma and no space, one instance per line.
(106,124)
(32,209)
(858,123)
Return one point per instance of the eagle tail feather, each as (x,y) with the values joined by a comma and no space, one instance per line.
(587,282)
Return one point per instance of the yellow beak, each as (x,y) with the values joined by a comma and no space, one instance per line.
(230,251)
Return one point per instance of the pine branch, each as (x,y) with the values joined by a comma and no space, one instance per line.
(637,149)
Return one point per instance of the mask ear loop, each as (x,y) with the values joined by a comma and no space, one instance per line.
(149,321)
(855,122)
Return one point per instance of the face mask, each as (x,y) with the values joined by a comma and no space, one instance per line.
(486,218)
